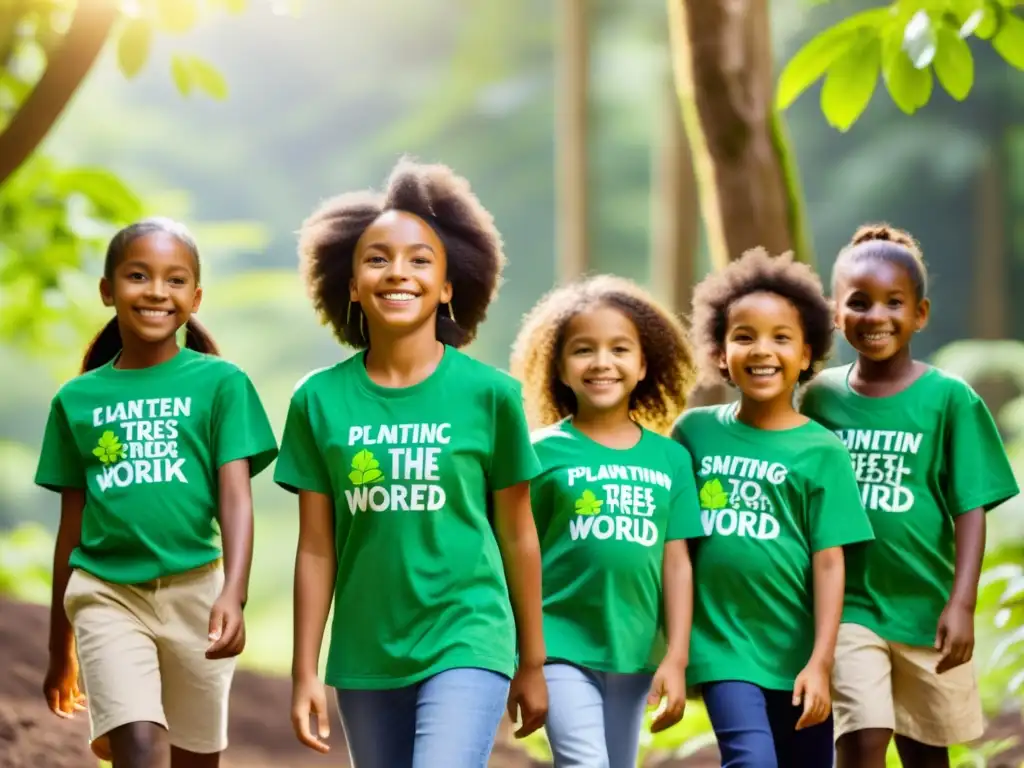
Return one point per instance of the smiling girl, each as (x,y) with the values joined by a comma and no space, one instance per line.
(149,448)
(412,465)
(930,464)
(607,368)
(779,502)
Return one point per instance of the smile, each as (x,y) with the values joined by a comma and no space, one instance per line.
(601,382)
(398,296)
(876,336)
(763,370)
(155,312)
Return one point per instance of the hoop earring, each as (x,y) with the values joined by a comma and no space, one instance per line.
(451,312)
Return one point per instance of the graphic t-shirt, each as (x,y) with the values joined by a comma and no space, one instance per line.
(769,500)
(420,585)
(603,516)
(922,457)
(146,445)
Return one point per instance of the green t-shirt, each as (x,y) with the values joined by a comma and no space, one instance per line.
(146,445)
(921,457)
(769,500)
(603,516)
(420,585)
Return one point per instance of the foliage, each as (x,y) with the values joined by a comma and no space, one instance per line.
(26,560)
(55,220)
(904,43)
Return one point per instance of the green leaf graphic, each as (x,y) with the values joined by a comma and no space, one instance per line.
(365,469)
(713,495)
(588,504)
(109,449)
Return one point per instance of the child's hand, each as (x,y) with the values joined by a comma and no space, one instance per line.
(227,628)
(954,639)
(309,698)
(668,689)
(528,697)
(812,690)
(60,687)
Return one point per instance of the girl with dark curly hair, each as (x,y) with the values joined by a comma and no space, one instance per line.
(402,456)
(930,464)
(605,368)
(779,502)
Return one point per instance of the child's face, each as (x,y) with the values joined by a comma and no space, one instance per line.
(877,308)
(399,272)
(602,359)
(765,350)
(154,288)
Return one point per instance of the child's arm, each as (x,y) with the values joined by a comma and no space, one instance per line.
(812,685)
(670,679)
(954,638)
(227,625)
(520,553)
(316,567)
(61,684)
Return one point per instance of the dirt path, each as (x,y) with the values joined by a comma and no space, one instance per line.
(261,735)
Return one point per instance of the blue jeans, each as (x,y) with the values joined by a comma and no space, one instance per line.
(594,718)
(756,728)
(450,720)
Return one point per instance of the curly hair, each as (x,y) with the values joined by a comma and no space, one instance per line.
(537,352)
(885,243)
(754,272)
(434,193)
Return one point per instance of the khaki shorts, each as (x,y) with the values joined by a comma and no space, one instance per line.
(877,684)
(141,650)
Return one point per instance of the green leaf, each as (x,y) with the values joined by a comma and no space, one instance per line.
(193,73)
(133,46)
(181,73)
(1009,41)
(850,82)
(365,468)
(713,495)
(954,65)
(909,86)
(588,503)
(176,16)
(207,78)
(819,53)
(974,17)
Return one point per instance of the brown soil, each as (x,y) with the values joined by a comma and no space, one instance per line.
(261,735)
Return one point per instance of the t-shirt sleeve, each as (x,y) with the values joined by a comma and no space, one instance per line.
(60,464)
(978,469)
(836,516)
(300,465)
(684,520)
(241,429)
(513,459)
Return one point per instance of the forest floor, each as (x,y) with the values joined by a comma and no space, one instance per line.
(260,731)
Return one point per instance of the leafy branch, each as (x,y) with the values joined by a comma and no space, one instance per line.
(905,43)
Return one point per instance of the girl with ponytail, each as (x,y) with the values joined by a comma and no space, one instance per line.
(148,447)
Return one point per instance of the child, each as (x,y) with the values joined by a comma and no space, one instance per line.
(402,455)
(779,502)
(930,464)
(614,506)
(148,448)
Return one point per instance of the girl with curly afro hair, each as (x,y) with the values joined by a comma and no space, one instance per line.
(779,502)
(412,463)
(604,366)
(931,464)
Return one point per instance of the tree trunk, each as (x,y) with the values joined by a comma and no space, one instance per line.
(675,210)
(66,68)
(571,141)
(724,73)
